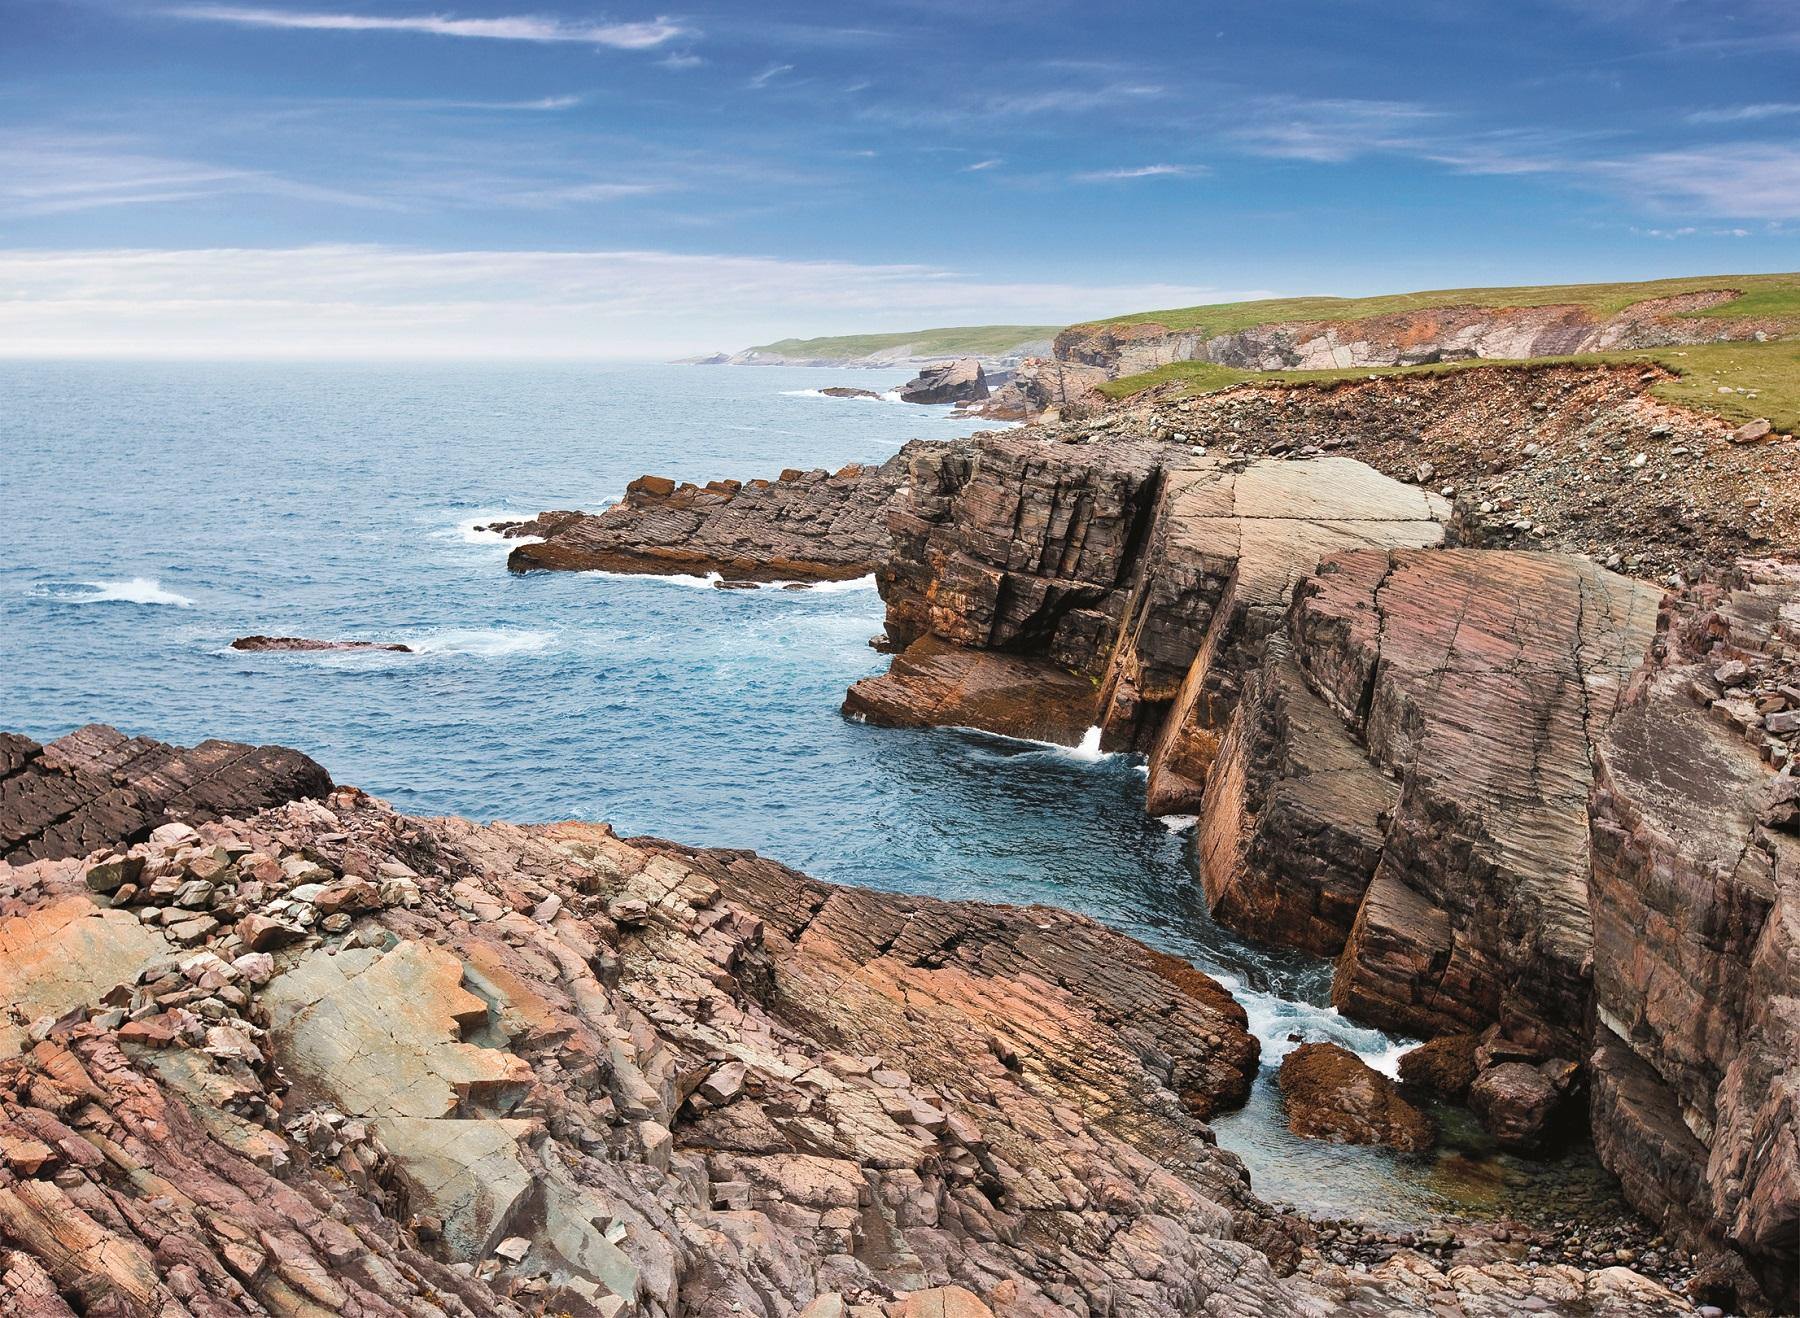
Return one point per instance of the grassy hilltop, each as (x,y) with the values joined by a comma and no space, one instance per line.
(1774,296)
(1740,381)
(963,340)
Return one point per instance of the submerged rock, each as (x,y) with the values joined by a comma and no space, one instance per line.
(843,391)
(301,643)
(1331,1093)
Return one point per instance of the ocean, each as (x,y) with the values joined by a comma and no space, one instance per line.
(157,511)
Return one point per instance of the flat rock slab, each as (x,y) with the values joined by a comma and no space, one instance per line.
(66,954)
(935,684)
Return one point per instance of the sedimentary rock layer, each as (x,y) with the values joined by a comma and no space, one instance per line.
(1412,337)
(428,1067)
(805,526)
(96,786)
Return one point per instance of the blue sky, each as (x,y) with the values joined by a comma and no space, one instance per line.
(507,177)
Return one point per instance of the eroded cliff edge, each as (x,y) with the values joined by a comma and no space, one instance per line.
(1457,766)
(345,1060)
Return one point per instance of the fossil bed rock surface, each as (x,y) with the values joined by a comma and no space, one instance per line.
(424,1066)
(804,526)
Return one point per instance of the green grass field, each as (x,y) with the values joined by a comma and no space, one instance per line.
(1770,371)
(972,340)
(1774,296)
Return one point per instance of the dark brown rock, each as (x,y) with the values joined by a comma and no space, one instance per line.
(97,788)
(1444,1066)
(935,684)
(1330,1093)
(841,391)
(290,643)
(1520,1104)
(807,526)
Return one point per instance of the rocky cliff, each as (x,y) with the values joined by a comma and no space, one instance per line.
(423,1066)
(1442,763)
(1436,334)
(804,526)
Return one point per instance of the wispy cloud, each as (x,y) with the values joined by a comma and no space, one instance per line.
(63,175)
(1747,181)
(522,27)
(1745,114)
(769,74)
(1142,171)
(980,165)
(343,301)
(1331,131)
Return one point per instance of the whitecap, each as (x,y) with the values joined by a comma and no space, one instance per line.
(818,587)
(1273,1019)
(1087,751)
(137,590)
(485,643)
(708,581)
(1178,823)
(473,530)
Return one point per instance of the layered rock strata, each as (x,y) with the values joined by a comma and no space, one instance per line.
(424,1066)
(960,381)
(1139,568)
(96,787)
(1410,338)
(1696,909)
(805,526)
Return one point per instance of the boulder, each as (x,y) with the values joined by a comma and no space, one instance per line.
(1331,1093)
(960,381)
(1519,1104)
(1445,1066)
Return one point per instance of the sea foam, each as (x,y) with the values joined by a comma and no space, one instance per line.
(136,590)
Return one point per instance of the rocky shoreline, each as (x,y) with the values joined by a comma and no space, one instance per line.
(1431,659)
(338,1058)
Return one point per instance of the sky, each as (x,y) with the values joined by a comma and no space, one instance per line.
(504,178)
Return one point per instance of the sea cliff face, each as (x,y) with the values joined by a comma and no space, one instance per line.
(1524,800)
(1411,338)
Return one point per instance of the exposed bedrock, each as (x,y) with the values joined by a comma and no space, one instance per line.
(1118,564)
(960,381)
(520,1070)
(1696,904)
(1412,337)
(96,787)
(293,644)
(805,526)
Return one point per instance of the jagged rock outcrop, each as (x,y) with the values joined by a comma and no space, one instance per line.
(805,526)
(287,644)
(1409,338)
(96,787)
(1040,385)
(1696,907)
(1116,564)
(1332,1094)
(504,1070)
(960,381)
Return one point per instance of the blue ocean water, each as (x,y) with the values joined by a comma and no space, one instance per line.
(157,511)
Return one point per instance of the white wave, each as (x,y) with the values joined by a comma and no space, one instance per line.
(485,643)
(473,530)
(138,590)
(1178,823)
(818,587)
(887,396)
(1273,1019)
(1087,752)
(1089,749)
(707,582)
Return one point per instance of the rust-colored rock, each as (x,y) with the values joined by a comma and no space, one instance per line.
(1445,1066)
(1330,1093)
(935,684)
